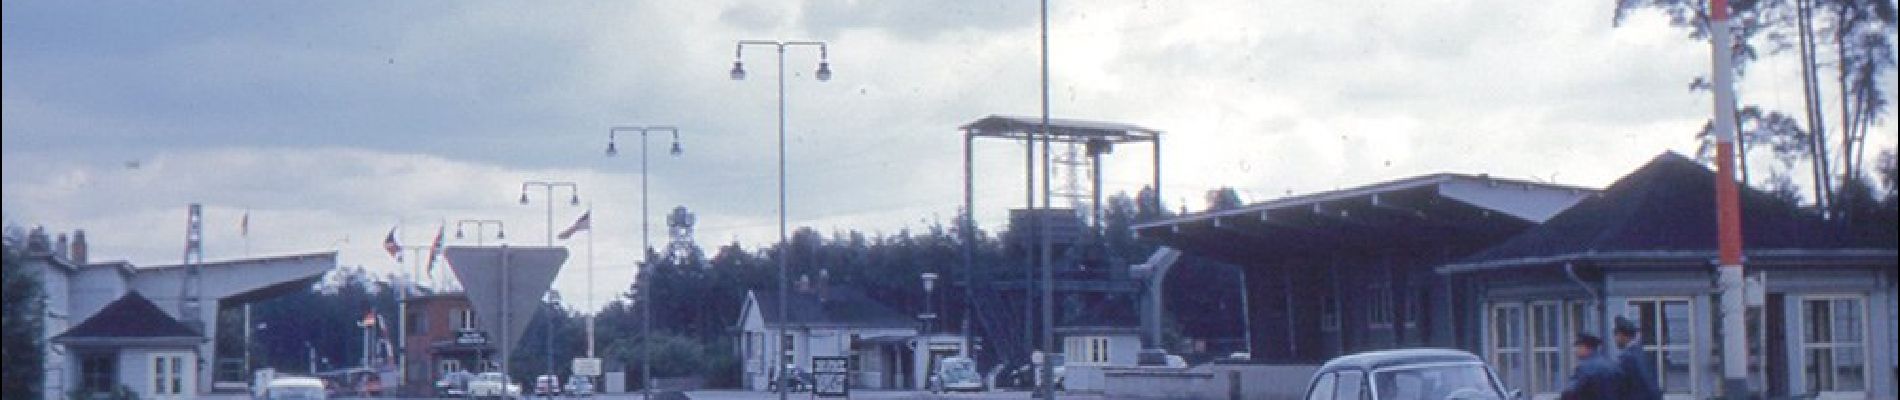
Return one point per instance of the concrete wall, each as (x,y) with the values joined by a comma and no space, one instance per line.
(1209,381)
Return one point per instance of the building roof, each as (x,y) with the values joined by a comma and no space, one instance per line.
(1663,210)
(841,306)
(1065,130)
(131,318)
(1476,208)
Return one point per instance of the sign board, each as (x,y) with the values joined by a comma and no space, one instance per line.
(587,366)
(831,376)
(470,337)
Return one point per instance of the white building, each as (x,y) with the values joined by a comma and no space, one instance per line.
(112,324)
(882,343)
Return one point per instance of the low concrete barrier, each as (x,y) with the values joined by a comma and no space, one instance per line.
(1210,381)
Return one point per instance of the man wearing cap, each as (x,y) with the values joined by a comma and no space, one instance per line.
(1596,375)
(1637,381)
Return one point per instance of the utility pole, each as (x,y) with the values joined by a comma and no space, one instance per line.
(1728,209)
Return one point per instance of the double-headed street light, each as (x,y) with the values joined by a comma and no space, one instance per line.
(823,74)
(646,296)
(574,199)
(500,232)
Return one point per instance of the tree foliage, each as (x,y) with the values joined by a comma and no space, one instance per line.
(24,317)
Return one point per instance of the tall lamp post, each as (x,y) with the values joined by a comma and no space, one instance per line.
(930,302)
(555,299)
(823,74)
(500,230)
(574,199)
(646,296)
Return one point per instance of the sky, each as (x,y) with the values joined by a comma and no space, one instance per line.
(332,123)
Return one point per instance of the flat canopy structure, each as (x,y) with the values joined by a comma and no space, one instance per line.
(1065,130)
(1367,217)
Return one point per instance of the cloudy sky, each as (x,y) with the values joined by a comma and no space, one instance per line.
(330,123)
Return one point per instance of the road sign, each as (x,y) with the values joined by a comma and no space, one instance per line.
(587,366)
(831,376)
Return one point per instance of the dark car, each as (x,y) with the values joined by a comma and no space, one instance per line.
(1410,374)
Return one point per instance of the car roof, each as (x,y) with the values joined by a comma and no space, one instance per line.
(1385,358)
(295,381)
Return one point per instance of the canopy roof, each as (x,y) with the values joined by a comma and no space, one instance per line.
(132,319)
(1065,130)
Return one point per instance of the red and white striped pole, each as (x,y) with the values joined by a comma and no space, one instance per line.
(1728,208)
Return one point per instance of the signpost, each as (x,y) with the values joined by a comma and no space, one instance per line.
(587,366)
(831,376)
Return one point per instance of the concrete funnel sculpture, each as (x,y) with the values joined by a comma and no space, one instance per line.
(504,286)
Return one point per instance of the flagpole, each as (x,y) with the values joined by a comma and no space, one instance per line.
(591,310)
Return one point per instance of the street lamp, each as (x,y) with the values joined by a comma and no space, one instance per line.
(646,297)
(823,74)
(554,298)
(930,301)
(500,231)
(574,199)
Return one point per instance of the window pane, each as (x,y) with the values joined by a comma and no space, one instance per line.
(1820,365)
(1849,369)
(1322,388)
(1349,385)
(1549,370)
(1511,369)
(1544,329)
(1675,372)
(1818,330)
(1676,328)
(1846,322)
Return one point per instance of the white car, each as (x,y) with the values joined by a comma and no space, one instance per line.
(293,388)
(493,385)
(956,374)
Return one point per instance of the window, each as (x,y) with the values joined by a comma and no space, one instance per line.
(417,324)
(790,352)
(1352,386)
(1507,343)
(1833,342)
(1548,348)
(1086,349)
(1668,335)
(1328,313)
(1322,388)
(462,318)
(168,374)
(99,372)
(1379,306)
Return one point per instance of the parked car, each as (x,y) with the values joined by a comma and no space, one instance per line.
(547,386)
(453,384)
(493,385)
(580,386)
(956,374)
(294,388)
(1409,374)
(799,380)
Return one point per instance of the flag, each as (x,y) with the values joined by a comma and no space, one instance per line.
(586,222)
(389,245)
(244,225)
(369,319)
(436,248)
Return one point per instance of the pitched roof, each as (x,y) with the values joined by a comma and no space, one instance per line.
(1665,207)
(132,316)
(842,306)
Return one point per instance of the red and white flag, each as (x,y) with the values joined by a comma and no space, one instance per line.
(436,248)
(389,245)
(586,222)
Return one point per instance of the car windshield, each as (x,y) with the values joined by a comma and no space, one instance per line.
(1435,382)
(958,370)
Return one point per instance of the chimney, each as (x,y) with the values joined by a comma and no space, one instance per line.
(824,284)
(60,246)
(78,253)
(36,241)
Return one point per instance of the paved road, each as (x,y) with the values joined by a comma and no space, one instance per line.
(855,395)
